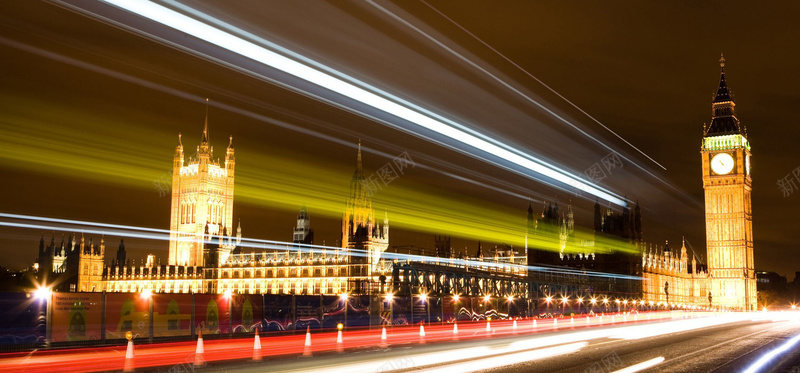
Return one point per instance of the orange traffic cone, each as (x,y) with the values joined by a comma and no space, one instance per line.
(200,350)
(257,347)
(307,347)
(129,357)
(339,339)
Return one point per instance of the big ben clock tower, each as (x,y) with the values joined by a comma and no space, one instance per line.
(729,216)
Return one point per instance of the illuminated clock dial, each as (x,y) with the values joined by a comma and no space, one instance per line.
(722,164)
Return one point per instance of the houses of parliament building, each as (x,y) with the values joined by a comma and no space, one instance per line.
(206,256)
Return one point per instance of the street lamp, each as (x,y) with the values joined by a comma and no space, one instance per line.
(343,297)
(424,299)
(42,293)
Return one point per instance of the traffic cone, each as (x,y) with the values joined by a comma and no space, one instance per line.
(257,347)
(555,322)
(129,357)
(307,347)
(455,328)
(571,320)
(488,326)
(422,331)
(200,350)
(514,325)
(339,339)
(588,320)
(383,336)
(534,323)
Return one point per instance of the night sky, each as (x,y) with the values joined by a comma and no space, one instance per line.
(90,112)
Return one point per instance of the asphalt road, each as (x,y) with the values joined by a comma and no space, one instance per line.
(702,346)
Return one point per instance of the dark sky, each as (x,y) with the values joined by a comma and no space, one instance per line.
(89,112)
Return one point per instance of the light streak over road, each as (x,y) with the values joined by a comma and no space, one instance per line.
(400,109)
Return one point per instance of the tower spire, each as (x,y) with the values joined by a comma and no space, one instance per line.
(358,161)
(723,115)
(723,93)
(205,126)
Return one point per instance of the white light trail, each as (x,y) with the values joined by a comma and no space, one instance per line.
(257,53)
(641,366)
(764,360)
(253,243)
(520,93)
(506,360)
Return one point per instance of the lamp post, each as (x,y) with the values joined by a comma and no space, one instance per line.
(390,301)
(548,299)
(45,294)
(424,299)
(343,297)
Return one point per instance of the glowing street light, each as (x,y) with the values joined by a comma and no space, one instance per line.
(548,299)
(455,298)
(564,300)
(487,298)
(389,297)
(42,293)
(146,294)
(580,300)
(423,297)
(593,301)
(510,298)
(794,306)
(343,296)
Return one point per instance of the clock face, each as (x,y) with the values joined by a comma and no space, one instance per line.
(722,164)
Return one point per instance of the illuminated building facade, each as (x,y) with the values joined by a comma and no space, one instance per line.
(72,266)
(214,261)
(361,231)
(202,201)
(727,182)
(670,278)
